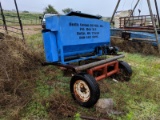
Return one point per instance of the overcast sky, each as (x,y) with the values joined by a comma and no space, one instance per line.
(101,7)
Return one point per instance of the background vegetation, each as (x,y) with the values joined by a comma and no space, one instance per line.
(27,18)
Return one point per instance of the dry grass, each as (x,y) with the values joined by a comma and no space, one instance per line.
(59,106)
(18,67)
(135,47)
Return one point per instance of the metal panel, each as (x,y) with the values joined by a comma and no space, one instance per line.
(77,35)
(50,46)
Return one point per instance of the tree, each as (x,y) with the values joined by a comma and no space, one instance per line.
(25,11)
(67,10)
(50,9)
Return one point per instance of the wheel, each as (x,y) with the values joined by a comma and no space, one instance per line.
(125,72)
(84,89)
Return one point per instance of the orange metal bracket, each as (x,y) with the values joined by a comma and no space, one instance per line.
(104,69)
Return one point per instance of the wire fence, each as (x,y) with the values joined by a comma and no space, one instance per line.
(12,24)
(25,20)
(31,21)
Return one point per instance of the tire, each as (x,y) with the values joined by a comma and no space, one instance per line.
(84,89)
(125,72)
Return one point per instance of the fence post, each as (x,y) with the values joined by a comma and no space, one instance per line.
(3,18)
(20,22)
(154,25)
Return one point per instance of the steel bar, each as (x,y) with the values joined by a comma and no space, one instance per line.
(104,68)
(60,65)
(115,10)
(137,16)
(14,28)
(154,25)
(134,8)
(10,15)
(20,22)
(3,17)
(132,11)
(157,12)
(14,32)
(11,21)
(83,67)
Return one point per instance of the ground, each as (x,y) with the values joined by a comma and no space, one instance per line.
(32,29)
(28,29)
(32,91)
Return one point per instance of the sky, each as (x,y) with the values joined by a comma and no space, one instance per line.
(101,7)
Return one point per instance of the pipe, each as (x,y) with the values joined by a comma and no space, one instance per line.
(134,8)
(83,67)
(132,11)
(157,12)
(20,22)
(154,25)
(3,17)
(115,11)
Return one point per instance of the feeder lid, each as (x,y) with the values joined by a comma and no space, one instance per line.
(78,13)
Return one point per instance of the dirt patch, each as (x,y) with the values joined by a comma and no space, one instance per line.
(18,68)
(135,47)
(59,106)
(27,29)
(32,29)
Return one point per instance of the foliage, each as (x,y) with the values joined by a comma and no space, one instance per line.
(50,9)
(77,116)
(27,18)
(138,99)
(67,10)
(35,110)
(25,11)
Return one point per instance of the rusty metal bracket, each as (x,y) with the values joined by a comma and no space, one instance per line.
(104,69)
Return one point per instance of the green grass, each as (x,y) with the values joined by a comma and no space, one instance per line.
(27,18)
(138,99)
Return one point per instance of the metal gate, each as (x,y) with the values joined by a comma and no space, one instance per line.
(11,24)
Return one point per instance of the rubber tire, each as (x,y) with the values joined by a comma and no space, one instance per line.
(125,72)
(93,86)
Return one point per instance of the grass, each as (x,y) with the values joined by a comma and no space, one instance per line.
(138,99)
(27,18)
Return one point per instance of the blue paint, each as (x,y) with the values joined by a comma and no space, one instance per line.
(69,36)
(144,35)
(141,35)
(50,44)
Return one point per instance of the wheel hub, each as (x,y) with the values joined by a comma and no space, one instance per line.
(82,90)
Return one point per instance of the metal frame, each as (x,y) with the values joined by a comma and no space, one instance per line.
(154,25)
(95,65)
(7,26)
(126,22)
(3,18)
(19,19)
(103,69)
(151,14)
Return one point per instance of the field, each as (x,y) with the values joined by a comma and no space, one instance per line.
(29,90)
(27,18)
